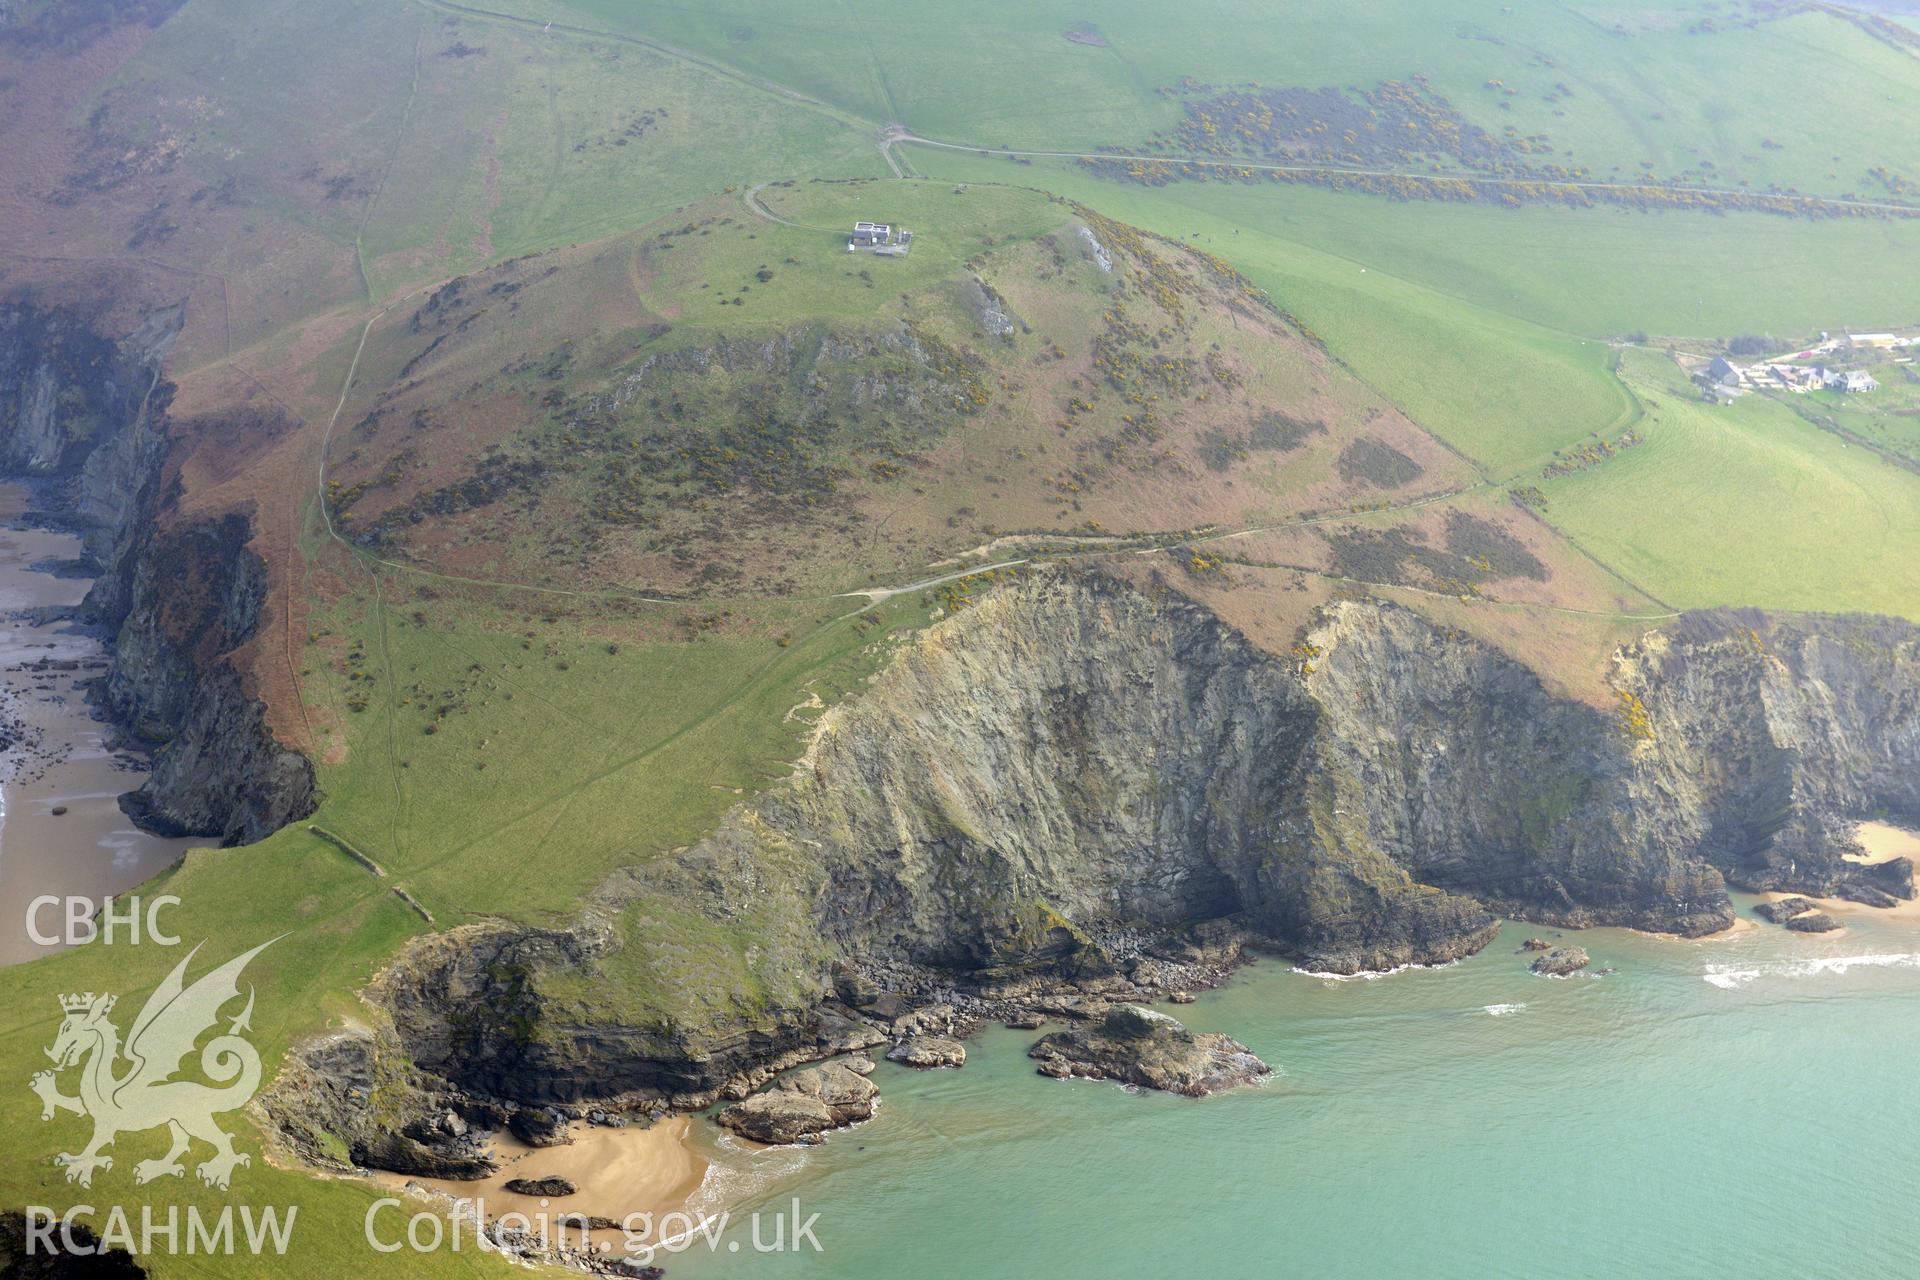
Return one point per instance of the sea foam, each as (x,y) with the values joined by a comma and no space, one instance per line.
(1730,978)
(1368,975)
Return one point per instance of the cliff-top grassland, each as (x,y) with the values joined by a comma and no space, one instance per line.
(612,634)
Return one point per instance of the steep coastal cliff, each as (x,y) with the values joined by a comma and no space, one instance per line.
(86,416)
(1080,786)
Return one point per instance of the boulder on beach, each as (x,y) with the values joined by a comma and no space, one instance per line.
(1562,962)
(1784,910)
(800,1107)
(549,1186)
(1813,922)
(1141,1047)
(1868,895)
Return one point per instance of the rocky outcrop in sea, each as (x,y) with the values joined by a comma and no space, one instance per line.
(802,1106)
(1149,1050)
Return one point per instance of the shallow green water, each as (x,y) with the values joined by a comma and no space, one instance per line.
(1468,1121)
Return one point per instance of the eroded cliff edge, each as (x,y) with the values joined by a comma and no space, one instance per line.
(1081,786)
(85,416)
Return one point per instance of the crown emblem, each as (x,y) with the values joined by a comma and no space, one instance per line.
(84,1001)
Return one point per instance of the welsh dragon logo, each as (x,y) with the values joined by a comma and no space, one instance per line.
(131,1087)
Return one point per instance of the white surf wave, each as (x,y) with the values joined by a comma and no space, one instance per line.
(1503,1010)
(745,1176)
(1367,975)
(1732,978)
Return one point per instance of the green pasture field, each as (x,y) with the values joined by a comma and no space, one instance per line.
(1613,86)
(1888,417)
(1595,273)
(502,728)
(1745,504)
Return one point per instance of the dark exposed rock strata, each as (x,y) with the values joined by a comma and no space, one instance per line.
(539,1128)
(352,1100)
(88,417)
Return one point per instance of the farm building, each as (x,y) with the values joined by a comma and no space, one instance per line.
(879,237)
(1723,372)
(1855,380)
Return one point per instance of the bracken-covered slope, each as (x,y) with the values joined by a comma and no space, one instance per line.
(731,403)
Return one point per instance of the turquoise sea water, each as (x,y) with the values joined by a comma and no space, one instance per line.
(1740,1105)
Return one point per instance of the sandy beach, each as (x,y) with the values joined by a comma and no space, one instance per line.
(58,756)
(1882,842)
(618,1172)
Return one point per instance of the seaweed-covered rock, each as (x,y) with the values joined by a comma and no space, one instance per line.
(551,1187)
(1562,962)
(1813,922)
(1139,1046)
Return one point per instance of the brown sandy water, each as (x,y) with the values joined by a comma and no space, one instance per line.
(62,759)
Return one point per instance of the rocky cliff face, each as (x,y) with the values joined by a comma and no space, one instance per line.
(1458,766)
(1072,754)
(1775,735)
(1074,761)
(64,390)
(88,417)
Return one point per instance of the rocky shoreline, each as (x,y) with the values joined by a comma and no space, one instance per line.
(1078,794)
